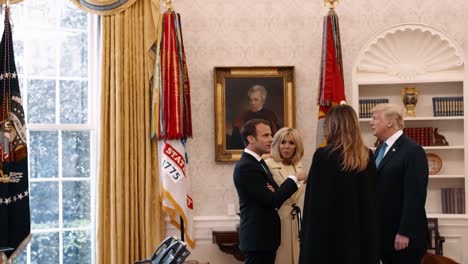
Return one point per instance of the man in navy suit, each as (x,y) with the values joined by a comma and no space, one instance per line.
(401,187)
(259,195)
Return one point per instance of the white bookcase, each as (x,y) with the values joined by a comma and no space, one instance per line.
(426,58)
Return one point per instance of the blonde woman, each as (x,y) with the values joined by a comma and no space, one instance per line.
(340,217)
(286,154)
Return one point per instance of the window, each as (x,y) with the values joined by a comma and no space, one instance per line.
(56,58)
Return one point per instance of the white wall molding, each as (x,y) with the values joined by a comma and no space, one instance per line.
(205,225)
(448,223)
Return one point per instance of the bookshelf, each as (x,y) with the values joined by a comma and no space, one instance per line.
(422,57)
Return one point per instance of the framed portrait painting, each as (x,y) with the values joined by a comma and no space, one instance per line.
(244,93)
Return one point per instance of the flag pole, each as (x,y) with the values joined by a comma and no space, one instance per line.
(182,238)
(331,85)
(170,8)
(168,5)
(171,117)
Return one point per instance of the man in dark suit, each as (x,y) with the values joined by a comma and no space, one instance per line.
(402,170)
(259,196)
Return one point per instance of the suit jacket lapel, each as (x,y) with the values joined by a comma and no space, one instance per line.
(267,176)
(391,152)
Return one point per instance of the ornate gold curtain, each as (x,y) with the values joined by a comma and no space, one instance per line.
(130,220)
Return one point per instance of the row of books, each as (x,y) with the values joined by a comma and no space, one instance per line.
(424,136)
(453,200)
(366,105)
(447,106)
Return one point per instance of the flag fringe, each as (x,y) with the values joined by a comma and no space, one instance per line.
(16,253)
(173,218)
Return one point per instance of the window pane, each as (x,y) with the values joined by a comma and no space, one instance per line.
(73,102)
(73,17)
(41,52)
(41,101)
(44,205)
(17,14)
(22,257)
(41,12)
(76,247)
(51,39)
(75,157)
(18,47)
(74,60)
(45,248)
(43,155)
(76,204)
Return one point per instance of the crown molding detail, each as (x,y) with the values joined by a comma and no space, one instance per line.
(409,52)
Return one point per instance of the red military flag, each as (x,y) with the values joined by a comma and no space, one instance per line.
(331,87)
(171,107)
(172,123)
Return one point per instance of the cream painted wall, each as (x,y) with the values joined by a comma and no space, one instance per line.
(275,33)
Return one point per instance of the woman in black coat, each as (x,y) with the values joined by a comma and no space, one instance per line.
(340,218)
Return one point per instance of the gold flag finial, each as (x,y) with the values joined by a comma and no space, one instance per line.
(331,3)
(168,5)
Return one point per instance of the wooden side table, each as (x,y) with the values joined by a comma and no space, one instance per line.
(228,242)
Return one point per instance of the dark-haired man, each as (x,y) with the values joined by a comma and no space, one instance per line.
(259,195)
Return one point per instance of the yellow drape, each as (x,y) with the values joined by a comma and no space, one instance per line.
(130,220)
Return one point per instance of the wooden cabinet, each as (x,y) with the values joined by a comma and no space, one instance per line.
(228,242)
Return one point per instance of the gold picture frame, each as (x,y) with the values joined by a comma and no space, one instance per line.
(234,88)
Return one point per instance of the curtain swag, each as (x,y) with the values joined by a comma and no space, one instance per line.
(3,2)
(104,7)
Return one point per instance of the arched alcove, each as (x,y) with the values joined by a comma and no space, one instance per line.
(409,53)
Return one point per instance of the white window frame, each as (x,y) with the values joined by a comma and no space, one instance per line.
(93,79)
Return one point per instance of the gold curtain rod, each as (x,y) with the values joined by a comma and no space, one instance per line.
(331,3)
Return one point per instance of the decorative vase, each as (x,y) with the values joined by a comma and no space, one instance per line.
(409,96)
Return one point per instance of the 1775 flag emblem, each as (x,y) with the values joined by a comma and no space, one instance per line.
(15,222)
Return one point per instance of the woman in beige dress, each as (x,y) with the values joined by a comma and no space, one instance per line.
(286,154)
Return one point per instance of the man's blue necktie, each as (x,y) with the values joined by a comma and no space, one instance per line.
(381,154)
